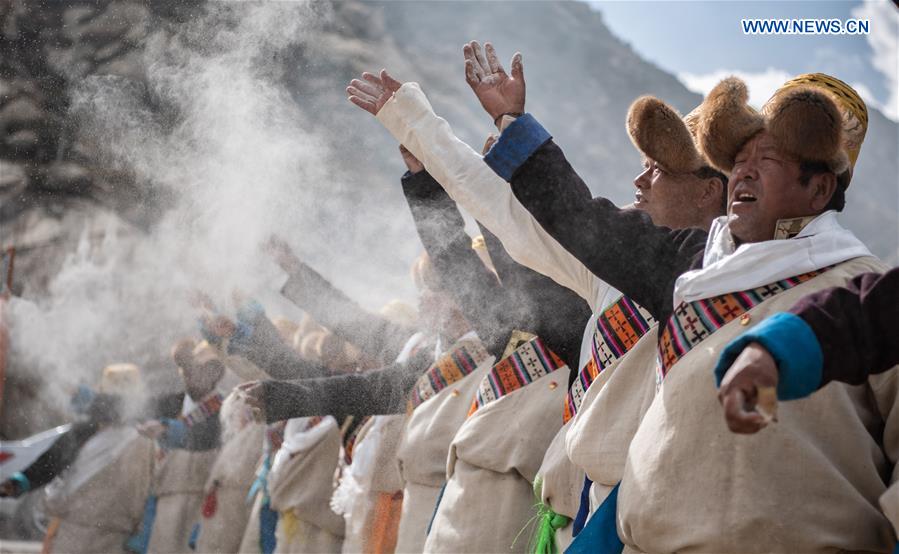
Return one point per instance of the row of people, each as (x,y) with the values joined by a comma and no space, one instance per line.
(557,386)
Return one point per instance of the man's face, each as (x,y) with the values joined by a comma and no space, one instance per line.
(670,200)
(764,187)
(438,311)
(200,379)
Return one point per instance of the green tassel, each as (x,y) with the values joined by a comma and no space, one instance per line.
(548,523)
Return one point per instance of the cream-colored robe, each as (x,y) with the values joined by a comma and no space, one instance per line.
(231,476)
(808,483)
(488,504)
(561,482)
(373,475)
(249,544)
(423,452)
(300,489)
(101,514)
(609,415)
(178,485)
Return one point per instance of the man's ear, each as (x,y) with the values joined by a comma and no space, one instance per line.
(822,186)
(712,192)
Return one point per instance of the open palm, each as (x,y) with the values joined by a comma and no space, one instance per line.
(499,93)
(372,91)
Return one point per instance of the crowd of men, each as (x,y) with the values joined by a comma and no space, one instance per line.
(710,369)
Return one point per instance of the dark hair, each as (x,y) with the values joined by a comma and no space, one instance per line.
(708,172)
(808,169)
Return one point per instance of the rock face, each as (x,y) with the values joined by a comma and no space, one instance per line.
(54,182)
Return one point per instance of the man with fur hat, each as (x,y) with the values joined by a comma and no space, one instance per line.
(698,192)
(790,165)
(99,473)
(188,438)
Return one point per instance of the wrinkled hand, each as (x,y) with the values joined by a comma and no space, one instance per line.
(498,92)
(218,325)
(412,162)
(373,91)
(746,389)
(151,429)
(253,394)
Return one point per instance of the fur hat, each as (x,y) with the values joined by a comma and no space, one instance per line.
(400,312)
(286,328)
(813,117)
(120,379)
(662,135)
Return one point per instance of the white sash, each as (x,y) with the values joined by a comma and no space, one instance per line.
(822,243)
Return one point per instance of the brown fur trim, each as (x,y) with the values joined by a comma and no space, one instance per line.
(726,123)
(806,123)
(658,131)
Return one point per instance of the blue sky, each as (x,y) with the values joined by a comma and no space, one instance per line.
(702,41)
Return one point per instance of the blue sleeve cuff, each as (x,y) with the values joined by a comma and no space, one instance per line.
(21,481)
(250,311)
(517,143)
(794,347)
(175,435)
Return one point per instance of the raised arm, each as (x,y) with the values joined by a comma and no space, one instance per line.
(255,338)
(489,307)
(621,247)
(374,335)
(374,392)
(407,114)
(558,315)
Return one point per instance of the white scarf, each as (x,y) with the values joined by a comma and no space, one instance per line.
(822,243)
(298,438)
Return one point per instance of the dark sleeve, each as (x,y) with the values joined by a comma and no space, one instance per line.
(258,341)
(621,247)
(59,456)
(488,306)
(375,392)
(168,405)
(374,335)
(558,315)
(204,435)
(855,326)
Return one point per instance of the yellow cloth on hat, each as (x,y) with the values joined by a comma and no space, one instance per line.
(855,113)
(120,378)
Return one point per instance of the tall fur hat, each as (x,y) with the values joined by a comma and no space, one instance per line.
(662,135)
(813,117)
(120,379)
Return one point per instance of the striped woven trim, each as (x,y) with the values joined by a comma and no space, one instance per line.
(618,328)
(463,358)
(204,410)
(350,437)
(693,322)
(527,363)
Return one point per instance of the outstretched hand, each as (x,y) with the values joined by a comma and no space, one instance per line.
(498,92)
(373,91)
(748,391)
(253,394)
